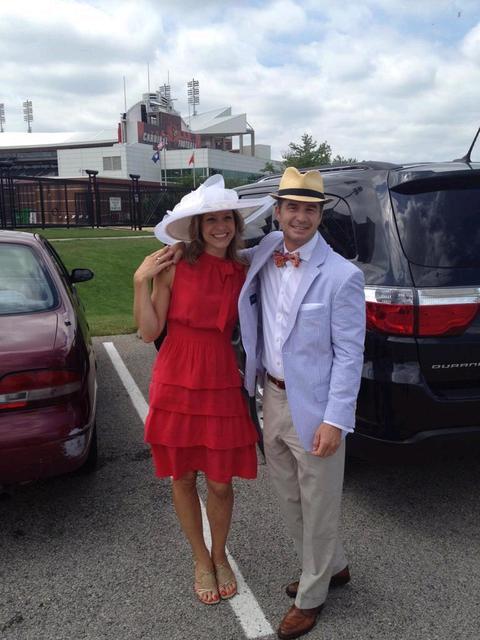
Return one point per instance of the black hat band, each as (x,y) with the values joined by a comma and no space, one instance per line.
(300,192)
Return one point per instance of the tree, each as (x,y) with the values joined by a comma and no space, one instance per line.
(268,168)
(341,160)
(308,153)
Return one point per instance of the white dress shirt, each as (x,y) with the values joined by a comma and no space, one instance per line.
(278,288)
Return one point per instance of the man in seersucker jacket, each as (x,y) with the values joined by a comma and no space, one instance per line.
(302,316)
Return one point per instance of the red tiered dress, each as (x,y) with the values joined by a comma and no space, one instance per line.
(198,418)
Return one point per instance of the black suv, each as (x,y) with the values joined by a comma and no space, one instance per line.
(414,231)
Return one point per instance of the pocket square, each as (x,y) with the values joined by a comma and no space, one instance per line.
(311,305)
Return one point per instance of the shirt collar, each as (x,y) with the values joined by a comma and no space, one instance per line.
(306,249)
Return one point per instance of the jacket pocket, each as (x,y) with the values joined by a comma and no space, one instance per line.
(311,323)
(308,306)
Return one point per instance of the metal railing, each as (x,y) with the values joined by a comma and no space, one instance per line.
(27,202)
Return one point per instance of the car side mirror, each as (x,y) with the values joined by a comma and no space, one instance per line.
(81,275)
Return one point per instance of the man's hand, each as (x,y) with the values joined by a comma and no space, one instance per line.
(178,251)
(326,440)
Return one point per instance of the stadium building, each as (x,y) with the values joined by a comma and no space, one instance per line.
(152,141)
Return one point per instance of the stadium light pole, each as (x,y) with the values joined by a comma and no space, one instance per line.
(28,114)
(193,94)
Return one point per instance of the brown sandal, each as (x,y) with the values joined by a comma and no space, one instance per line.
(205,582)
(225,578)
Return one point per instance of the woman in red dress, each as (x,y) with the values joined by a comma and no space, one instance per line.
(198,419)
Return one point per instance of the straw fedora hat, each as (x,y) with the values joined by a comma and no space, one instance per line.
(305,187)
(209,197)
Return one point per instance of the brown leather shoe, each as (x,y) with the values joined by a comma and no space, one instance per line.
(297,622)
(337,580)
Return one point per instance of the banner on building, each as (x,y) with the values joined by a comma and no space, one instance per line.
(168,133)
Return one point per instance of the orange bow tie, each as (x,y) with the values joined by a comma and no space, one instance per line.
(281,258)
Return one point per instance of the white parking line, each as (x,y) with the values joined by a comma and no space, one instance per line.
(244,604)
(129,383)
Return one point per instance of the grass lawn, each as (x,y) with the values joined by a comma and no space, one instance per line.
(108,298)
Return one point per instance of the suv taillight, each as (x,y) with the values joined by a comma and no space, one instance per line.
(19,389)
(421,312)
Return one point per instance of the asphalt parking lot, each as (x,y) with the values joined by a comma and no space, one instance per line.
(102,557)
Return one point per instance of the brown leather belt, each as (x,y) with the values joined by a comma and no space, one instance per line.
(278,383)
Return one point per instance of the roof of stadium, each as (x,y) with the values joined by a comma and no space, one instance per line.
(22,139)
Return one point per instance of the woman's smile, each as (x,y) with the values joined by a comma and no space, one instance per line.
(218,230)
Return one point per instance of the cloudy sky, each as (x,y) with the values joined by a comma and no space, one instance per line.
(396,80)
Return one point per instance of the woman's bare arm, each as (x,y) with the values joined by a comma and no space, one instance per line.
(150,308)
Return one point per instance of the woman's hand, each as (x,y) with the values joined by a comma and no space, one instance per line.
(154,263)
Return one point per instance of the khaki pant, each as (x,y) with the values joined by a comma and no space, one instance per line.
(310,491)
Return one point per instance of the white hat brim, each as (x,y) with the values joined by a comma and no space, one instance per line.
(174,226)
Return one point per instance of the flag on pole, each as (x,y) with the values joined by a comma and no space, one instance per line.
(192,162)
(156,156)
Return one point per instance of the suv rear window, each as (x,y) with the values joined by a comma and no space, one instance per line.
(439,228)
(24,285)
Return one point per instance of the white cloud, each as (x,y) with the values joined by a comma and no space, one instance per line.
(470,46)
(277,18)
(380,79)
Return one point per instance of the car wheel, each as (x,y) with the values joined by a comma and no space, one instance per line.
(91,461)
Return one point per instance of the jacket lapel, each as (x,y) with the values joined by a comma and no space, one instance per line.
(311,272)
(264,252)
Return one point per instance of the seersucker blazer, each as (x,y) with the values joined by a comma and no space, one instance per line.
(323,348)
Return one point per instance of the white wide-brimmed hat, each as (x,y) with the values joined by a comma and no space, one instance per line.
(209,197)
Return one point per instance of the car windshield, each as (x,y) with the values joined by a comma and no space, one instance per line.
(24,285)
(440,228)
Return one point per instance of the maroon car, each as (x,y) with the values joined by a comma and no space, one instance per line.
(47,364)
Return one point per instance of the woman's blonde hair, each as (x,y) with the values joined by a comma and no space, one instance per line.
(197,245)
